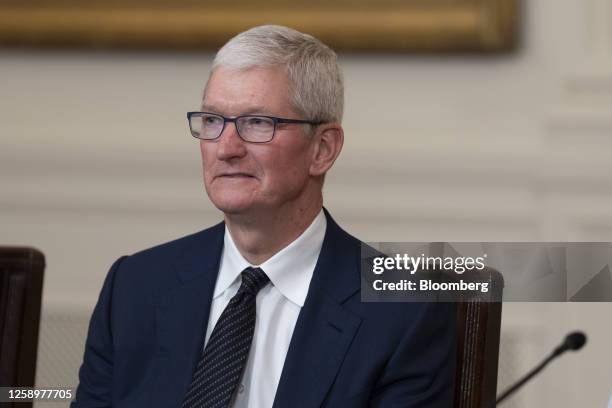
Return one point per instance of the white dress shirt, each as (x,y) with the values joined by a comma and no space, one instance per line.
(278,305)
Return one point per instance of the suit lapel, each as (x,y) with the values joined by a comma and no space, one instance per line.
(322,335)
(182,316)
(324,329)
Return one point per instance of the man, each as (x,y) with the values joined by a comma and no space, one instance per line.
(263,310)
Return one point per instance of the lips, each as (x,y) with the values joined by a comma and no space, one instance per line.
(235,175)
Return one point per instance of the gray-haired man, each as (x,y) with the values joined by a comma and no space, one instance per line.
(264,308)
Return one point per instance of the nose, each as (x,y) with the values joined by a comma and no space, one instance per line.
(229,144)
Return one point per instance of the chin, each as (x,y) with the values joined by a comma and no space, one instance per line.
(232,209)
(231,204)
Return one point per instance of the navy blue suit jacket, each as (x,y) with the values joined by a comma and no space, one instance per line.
(148,327)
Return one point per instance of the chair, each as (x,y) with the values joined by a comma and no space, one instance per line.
(21,279)
(478,331)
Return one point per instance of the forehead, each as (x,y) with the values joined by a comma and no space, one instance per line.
(254,90)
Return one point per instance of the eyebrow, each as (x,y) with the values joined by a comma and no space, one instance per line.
(253,110)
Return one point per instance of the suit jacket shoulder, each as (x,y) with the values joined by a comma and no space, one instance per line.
(157,265)
(146,329)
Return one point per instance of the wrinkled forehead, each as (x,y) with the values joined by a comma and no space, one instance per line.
(252,90)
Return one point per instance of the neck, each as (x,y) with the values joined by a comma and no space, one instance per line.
(259,236)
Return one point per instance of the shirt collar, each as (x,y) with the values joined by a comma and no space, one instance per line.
(290,270)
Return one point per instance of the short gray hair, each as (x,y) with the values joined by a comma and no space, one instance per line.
(311,66)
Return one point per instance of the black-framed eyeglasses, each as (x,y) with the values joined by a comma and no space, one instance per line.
(251,128)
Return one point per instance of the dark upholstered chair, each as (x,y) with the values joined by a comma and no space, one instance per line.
(21,278)
(478,330)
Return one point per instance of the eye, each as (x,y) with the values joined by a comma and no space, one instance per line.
(211,120)
(259,122)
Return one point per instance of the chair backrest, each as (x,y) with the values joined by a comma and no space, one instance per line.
(21,279)
(478,331)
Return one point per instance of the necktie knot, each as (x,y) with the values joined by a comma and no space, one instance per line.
(253,280)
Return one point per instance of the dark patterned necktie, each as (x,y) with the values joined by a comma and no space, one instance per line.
(222,363)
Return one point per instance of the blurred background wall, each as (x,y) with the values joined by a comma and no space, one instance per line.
(96,162)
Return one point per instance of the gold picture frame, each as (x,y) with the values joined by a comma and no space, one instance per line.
(346,25)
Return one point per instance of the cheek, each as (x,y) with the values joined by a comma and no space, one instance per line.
(203,149)
(206,154)
(290,172)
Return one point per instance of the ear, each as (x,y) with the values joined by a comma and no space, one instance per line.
(328,140)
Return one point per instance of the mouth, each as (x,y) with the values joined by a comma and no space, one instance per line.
(235,175)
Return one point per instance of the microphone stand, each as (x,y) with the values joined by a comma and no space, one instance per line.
(526,378)
(573,341)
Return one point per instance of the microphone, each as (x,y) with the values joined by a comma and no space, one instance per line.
(573,341)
